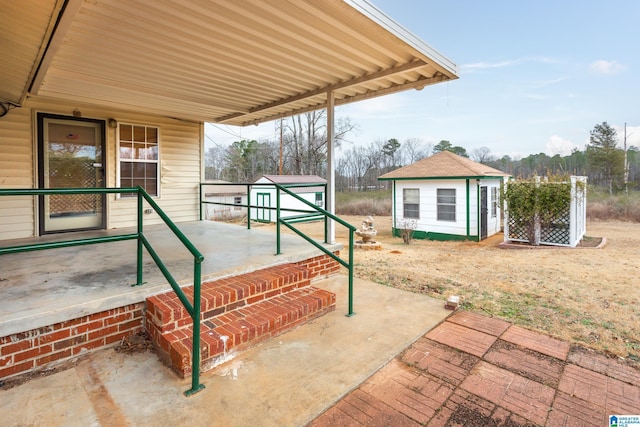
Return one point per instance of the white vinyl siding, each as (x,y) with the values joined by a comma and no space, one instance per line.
(466,194)
(179,175)
(179,167)
(17,213)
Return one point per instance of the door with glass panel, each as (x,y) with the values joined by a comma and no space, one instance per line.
(70,155)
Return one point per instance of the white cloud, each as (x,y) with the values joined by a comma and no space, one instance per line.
(507,63)
(558,145)
(384,105)
(606,67)
(486,65)
(633,136)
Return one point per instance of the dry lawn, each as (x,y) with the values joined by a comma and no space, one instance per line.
(589,297)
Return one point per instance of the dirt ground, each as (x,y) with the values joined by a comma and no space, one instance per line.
(587,296)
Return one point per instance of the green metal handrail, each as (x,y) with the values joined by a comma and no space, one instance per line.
(312,214)
(192,308)
(317,210)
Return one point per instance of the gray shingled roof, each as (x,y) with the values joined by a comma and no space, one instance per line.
(444,164)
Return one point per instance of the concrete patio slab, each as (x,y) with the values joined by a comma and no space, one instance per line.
(286,381)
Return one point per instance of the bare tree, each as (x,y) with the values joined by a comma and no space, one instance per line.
(305,141)
(482,155)
(414,149)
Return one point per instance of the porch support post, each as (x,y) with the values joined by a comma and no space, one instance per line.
(330,231)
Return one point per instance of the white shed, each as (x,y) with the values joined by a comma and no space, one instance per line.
(446,197)
(311,188)
(224,201)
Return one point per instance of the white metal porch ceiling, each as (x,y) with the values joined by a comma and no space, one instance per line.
(236,62)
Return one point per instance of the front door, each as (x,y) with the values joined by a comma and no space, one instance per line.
(484,212)
(70,155)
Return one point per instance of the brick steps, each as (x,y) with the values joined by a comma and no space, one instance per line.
(246,309)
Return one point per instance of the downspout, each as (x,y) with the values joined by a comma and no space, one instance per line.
(330,231)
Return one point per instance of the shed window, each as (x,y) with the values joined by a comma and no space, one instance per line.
(319,199)
(138,157)
(446,204)
(494,202)
(237,200)
(411,202)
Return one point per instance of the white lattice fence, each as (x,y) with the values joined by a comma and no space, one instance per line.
(565,230)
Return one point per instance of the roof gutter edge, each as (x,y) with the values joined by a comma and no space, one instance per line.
(379,17)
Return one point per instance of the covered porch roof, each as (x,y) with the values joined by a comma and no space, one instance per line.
(241,62)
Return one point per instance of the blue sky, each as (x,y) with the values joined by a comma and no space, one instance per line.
(534,77)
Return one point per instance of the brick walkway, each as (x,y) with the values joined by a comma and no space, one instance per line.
(473,370)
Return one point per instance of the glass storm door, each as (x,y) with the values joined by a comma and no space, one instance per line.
(71,154)
(484,213)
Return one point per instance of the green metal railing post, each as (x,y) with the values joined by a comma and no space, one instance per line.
(278,252)
(248,206)
(326,218)
(195,316)
(139,268)
(350,269)
(200,200)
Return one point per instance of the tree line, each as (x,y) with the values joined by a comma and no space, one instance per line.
(301,149)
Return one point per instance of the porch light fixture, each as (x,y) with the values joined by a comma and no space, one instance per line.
(112,123)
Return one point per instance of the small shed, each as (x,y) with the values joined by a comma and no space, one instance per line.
(226,201)
(446,197)
(311,188)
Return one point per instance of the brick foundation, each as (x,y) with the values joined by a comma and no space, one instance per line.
(41,348)
(321,266)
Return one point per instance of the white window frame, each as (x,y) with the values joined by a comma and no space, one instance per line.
(494,202)
(121,159)
(411,203)
(442,215)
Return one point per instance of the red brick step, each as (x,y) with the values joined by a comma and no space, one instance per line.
(246,309)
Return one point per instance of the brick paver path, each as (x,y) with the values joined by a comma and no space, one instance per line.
(473,370)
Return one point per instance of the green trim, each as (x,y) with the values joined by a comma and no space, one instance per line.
(394,213)
(479,211)
(468,206)
(428,235)
(441,178)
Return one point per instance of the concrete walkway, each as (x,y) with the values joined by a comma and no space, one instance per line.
(400,361)
(476,371)
(286,381)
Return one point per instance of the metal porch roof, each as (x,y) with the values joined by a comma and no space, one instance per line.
(235,62)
